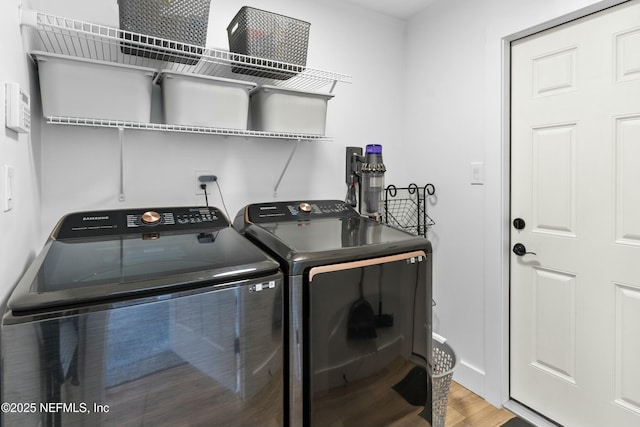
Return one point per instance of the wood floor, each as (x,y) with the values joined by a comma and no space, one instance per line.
(464,409)
(467,409)
(183,391)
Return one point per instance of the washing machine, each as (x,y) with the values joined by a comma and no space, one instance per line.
(358,313)
(163,317)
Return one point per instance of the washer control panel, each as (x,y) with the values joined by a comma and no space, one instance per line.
(298,210)
(128,221)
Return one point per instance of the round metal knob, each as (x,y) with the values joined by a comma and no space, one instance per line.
(304,207)
(151,217)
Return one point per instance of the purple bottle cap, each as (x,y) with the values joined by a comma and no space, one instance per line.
(374,149)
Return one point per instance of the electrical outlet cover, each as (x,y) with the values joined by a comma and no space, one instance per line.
(197,175)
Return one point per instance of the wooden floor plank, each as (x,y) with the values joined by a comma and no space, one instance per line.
(159,400)
(467,409)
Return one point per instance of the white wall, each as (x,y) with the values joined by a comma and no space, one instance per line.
(80,166)
(19,227)
(456,91)
(445,126)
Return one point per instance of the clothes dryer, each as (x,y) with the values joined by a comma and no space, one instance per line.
(358,316)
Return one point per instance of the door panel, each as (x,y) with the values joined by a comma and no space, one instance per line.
(554,72)
(575,153)
(627,146)
(628,55)
(554,181)
(555,329)
(627,393)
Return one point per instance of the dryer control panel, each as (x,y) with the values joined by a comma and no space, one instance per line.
(144,220)
(298,210)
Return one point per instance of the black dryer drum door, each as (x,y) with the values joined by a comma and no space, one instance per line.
(367,349)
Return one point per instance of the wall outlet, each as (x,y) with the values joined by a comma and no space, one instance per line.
(197,175)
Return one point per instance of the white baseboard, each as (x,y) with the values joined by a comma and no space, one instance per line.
(469,377)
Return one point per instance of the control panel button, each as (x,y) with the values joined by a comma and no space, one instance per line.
(151,217)
(144,220)
(297,211)
(304,207)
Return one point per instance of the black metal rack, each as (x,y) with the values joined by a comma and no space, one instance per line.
(404,208)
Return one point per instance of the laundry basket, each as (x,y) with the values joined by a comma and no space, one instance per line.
(444,362)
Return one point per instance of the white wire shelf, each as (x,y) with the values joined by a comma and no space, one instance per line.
(120,124)
(71,37)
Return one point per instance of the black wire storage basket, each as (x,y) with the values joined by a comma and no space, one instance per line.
(405,208)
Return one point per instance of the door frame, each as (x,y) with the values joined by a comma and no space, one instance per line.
(502,274)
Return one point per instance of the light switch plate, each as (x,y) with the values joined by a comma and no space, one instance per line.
(477,173)
(8,187)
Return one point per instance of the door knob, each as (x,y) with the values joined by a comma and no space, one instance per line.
(520,250)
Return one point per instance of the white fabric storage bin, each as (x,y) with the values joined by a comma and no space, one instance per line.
(80,87)
(275,109)
(197,100)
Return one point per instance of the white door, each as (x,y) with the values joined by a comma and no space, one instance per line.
(575,183)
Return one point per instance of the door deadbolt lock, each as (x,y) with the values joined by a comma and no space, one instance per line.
(520,250)
(519,223)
